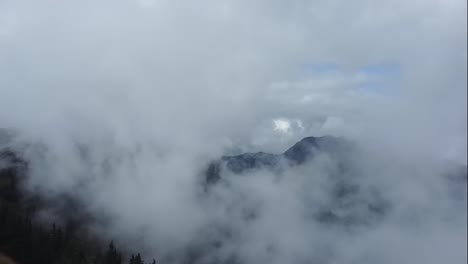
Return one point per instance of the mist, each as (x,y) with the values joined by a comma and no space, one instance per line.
(121,105)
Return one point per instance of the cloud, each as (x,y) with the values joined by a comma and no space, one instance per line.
(125,102)
(282,125)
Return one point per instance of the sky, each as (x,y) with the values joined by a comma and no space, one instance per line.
(121,104)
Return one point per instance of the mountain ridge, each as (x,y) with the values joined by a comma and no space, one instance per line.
(297,154)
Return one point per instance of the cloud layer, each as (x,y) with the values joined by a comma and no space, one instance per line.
(125,102)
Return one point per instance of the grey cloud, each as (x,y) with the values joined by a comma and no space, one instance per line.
(125,102)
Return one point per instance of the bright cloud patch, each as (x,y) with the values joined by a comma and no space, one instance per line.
(282,125)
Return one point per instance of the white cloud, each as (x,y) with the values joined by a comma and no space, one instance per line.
(282,125)
(135,100)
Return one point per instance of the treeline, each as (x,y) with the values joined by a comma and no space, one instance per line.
(29,242)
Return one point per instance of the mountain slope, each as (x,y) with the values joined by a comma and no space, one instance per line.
(299,153)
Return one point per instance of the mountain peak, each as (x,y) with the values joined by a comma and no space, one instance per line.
(295,155)
(302,150)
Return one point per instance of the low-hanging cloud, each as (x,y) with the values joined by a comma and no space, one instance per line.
(122,104)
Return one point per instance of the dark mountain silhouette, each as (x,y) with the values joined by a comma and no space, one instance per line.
(350,203)
(300,152)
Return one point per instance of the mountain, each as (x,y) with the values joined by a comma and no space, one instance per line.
(347,206)
(351,204)
(299,153)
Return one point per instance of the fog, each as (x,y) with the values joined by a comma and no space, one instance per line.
(122,104)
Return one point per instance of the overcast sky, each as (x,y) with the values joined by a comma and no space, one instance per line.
(161,87)
(227,69)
